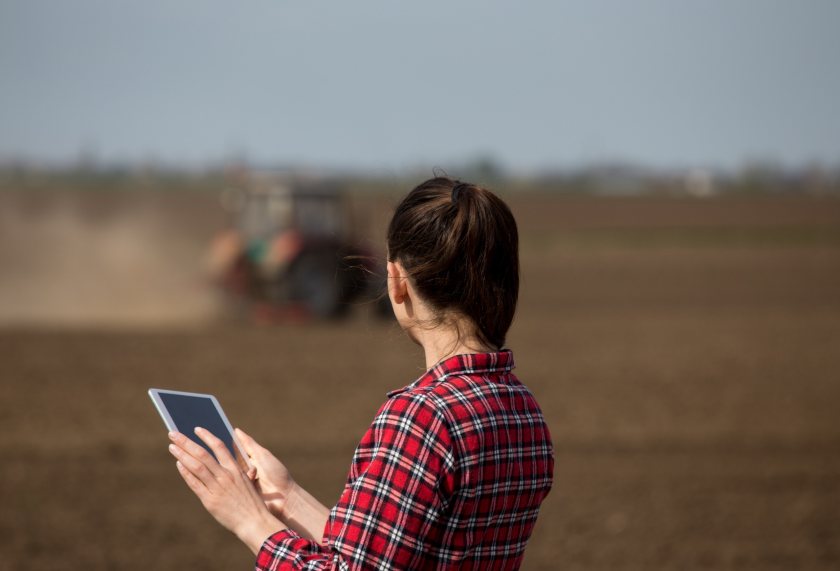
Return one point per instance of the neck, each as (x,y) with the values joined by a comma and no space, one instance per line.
(443,342)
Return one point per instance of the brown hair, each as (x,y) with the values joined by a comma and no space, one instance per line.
(459,244)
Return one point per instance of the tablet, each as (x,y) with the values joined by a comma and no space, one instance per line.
(182,412)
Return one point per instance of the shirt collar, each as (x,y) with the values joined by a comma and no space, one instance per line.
(466,364)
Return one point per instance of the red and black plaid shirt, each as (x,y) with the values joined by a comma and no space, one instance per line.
(450,475)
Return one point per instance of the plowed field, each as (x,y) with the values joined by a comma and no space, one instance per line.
(686,353)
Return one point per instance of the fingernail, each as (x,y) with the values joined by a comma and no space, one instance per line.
(197,429)
(173,448)
(173,435)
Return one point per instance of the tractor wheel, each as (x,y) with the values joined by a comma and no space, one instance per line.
(314,283)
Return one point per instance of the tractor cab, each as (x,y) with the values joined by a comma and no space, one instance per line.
(293,247)
(265,211)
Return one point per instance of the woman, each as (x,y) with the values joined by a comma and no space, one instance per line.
(454,467)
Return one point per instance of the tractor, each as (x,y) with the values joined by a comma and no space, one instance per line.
(291,251)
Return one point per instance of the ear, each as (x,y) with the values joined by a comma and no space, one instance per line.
(397,283)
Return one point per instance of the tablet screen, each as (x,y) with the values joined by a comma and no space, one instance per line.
(189,411)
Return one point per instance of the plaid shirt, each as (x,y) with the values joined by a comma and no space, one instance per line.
(450,475)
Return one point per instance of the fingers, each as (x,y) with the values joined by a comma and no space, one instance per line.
(218,447)
(196,468)
(193,483)
(250,447)
(249,444)
(189,446)
(194,457)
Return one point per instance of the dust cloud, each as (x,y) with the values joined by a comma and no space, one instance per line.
(80,259)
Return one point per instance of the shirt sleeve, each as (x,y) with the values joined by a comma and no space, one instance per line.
(389,512)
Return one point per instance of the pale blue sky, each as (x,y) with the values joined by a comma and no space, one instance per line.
(387,84)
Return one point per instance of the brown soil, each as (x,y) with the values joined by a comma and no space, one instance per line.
(686,354)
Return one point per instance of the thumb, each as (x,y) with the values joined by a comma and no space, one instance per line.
(249,444)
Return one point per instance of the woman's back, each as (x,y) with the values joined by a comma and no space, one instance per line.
(450,474)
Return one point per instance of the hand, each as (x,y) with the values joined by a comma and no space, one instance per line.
(223,489)
(273,480)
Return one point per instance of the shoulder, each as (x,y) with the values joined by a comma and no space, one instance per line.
(418,409)
(410,426)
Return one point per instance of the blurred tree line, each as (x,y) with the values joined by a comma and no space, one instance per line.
(602,179)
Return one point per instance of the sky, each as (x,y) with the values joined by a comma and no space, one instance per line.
(389,84)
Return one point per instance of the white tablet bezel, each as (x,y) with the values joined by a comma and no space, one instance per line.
(154,394)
